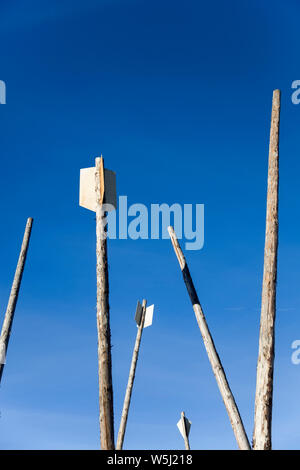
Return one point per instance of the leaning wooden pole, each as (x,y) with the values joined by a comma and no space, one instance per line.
(228,398)
(265,364)
(103,323)
(129,388)
(13,298)
(185,434)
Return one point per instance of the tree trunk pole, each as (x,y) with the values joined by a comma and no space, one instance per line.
(13,298)
(103,325)
(185,436)
(265,363)
(128,393)
(229,402)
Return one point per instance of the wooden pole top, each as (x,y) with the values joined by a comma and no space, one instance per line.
(99,163)
(177,249)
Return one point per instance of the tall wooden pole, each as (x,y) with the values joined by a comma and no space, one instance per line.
(128,393)
(228,398)
(13,298)
(265,363)
(185,434)
(103,324)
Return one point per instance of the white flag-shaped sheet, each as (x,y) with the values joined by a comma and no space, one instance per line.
(148,315)
(188,424)
(87,191)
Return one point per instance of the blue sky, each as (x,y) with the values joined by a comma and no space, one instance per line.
(177,97)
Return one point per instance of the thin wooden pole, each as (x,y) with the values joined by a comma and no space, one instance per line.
(103,324)
(14,293)
(265,364)
(228,398)
(129,388)
(185,434)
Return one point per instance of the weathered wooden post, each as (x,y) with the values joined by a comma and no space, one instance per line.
(13,298)
(143,319)
(184,426)
(103,323)
(265,363)
(228,398)
(95,185)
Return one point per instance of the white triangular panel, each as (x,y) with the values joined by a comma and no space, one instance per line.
(188,424)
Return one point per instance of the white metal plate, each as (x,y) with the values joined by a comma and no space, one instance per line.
(188,424)
(149,316)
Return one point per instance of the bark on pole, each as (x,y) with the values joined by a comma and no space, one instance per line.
(129,388)
(265,364)
(103,323)
(13,298)
(185,435)
(228,398)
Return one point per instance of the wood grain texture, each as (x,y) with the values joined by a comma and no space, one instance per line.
(185,435)
(129,388)
(219,373)
(103,322)
(262,439)
(14,294)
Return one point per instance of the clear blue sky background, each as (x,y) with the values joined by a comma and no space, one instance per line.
(177,97)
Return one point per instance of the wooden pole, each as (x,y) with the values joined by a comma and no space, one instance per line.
(13,298)
(103,324)
(185,435)
(229,402)
(265,363)
(128,393)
